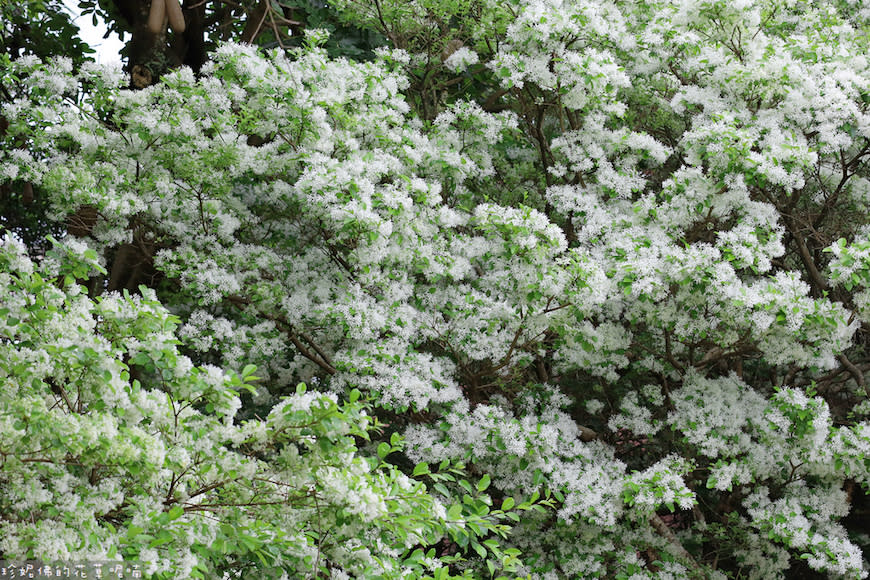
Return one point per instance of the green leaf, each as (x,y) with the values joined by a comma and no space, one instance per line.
(163,537)
(483,483)
(507,504)
(384,450)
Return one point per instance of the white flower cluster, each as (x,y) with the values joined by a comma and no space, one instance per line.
(460,59)
(86,446)
(803,520)
(681,166)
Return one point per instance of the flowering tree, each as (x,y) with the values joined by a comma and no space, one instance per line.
(611,253)
(98,466)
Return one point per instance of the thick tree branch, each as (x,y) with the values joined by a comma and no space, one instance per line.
(662,528)
(854,371)
(817,282)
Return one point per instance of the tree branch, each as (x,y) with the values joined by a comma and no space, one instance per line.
(662,528)
(854,371)
(818,282)
(323,361)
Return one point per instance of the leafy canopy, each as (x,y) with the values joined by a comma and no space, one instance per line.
(609,254)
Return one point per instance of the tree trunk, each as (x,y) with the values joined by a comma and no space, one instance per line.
(152,53)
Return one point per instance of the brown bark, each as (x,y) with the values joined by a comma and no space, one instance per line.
(81,223)
(131,267)
(662,528)
(162,39)
(255,23)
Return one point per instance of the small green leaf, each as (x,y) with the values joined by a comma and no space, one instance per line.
(483,483)
(163,537)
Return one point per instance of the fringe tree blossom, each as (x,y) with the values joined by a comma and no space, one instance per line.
(98,465)
(591,270)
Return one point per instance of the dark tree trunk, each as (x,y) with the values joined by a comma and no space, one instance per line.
(195,53)
(150,53)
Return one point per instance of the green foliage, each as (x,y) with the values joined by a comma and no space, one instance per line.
(156,469)
(40,28)
(578,252)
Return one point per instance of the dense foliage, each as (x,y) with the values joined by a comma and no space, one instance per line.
(43,28)
(602,264)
